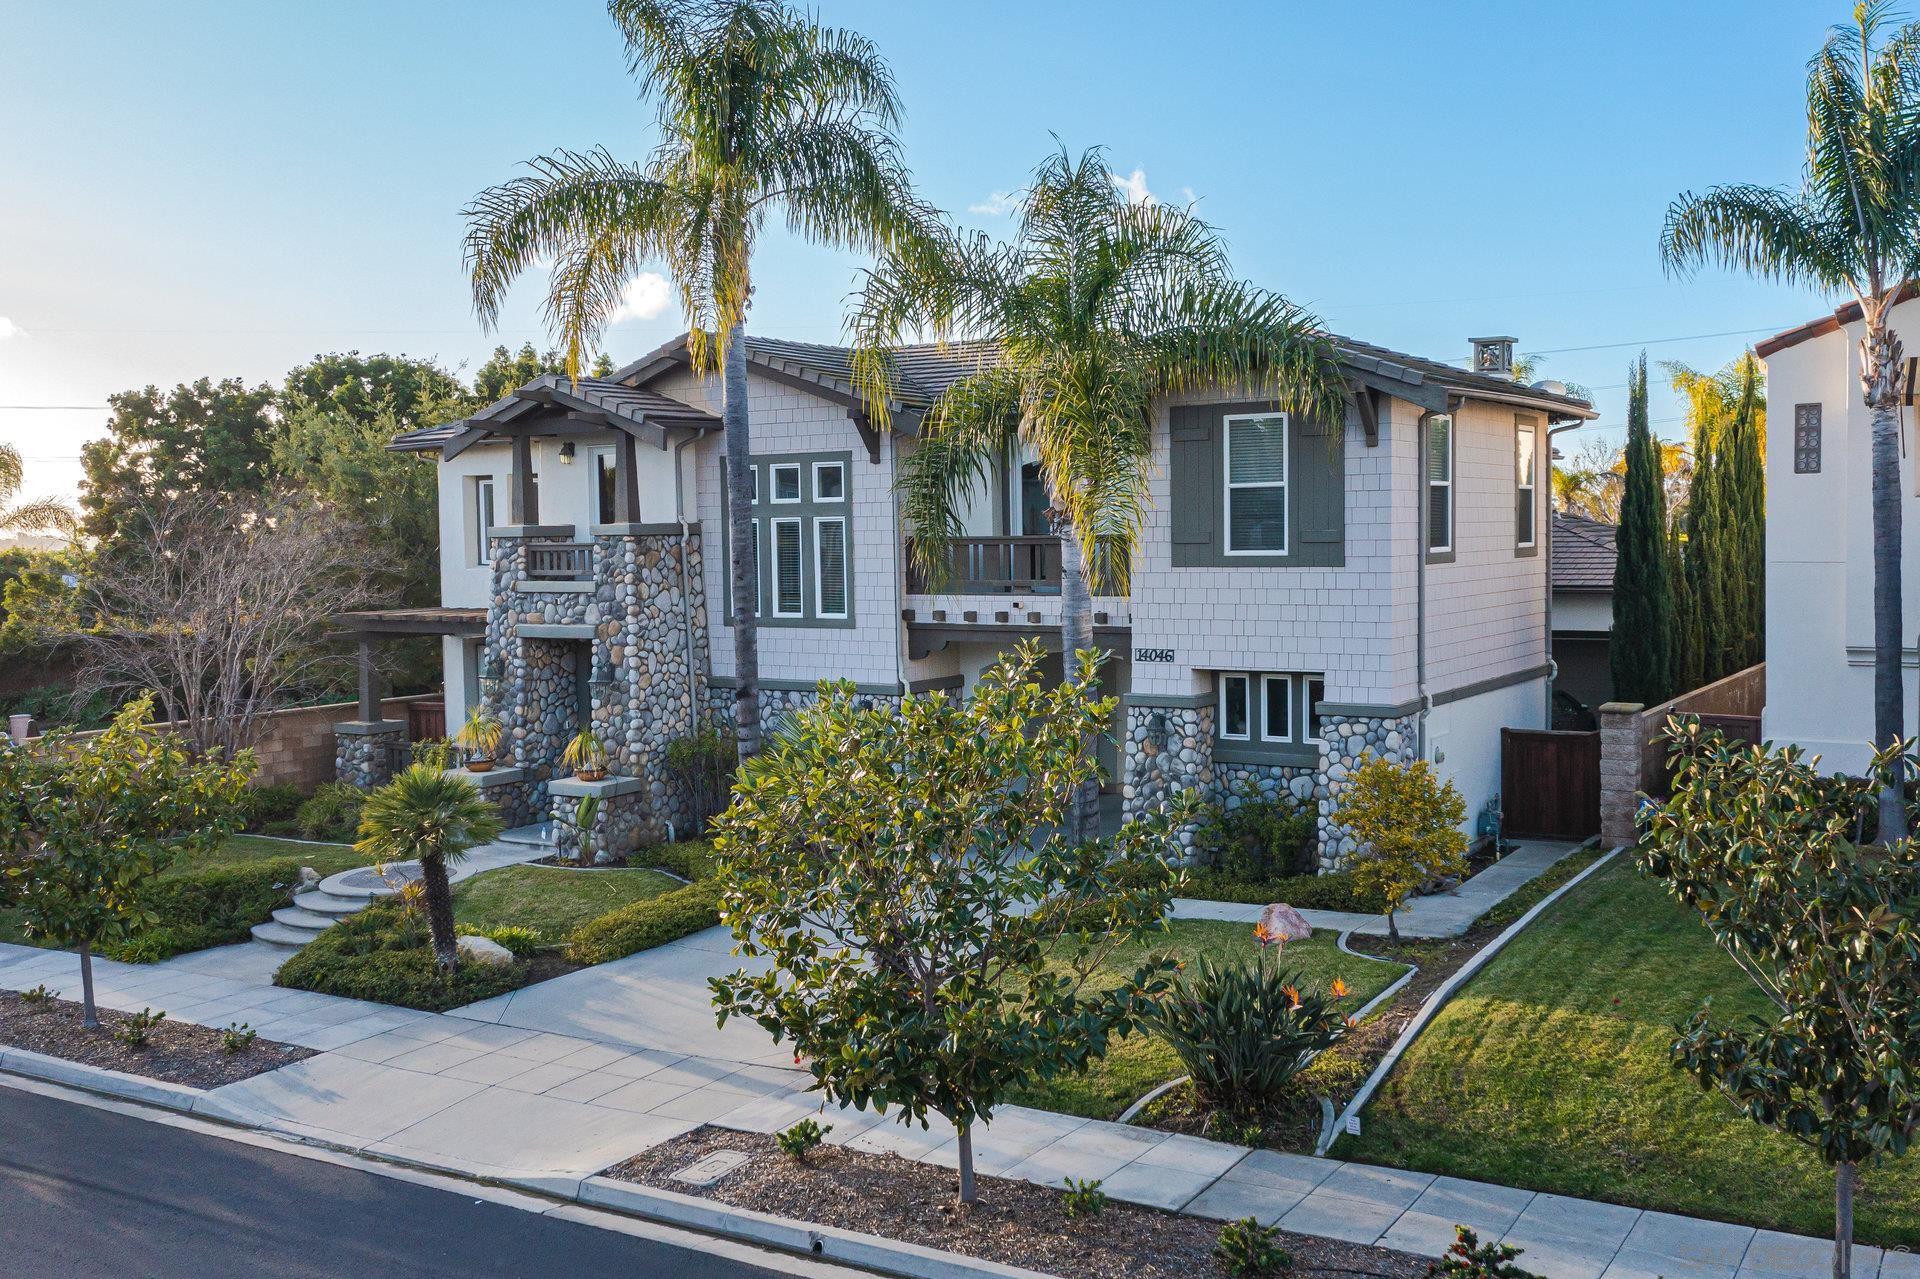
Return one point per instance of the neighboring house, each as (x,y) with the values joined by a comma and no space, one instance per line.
(1820,538)
(1583,562)
(1301,595)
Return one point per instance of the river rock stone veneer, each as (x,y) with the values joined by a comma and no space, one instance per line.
(363,752)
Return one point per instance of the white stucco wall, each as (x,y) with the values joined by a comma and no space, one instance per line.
(1820,551)
(1463,739)
(1583,611)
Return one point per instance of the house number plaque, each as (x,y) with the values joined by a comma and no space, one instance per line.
(1153,655)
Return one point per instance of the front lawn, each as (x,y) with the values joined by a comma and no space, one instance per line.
(239,849)
(1550,1070)
(1136,1064)
(551,900)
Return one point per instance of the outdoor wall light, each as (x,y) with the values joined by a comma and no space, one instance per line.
(566,453)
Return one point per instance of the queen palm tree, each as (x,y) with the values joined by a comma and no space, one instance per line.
(1853,227)
(434,818)
(759,110)
(1095,311)
(40,515)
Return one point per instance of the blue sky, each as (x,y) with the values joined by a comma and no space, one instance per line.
(226,189)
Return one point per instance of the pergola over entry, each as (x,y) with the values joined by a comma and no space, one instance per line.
(374,626)
(553,406)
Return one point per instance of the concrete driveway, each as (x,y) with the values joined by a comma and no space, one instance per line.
(656,999)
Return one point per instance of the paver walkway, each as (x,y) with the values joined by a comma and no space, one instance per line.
(552,1087)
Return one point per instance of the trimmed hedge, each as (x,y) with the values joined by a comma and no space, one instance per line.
(690,859)
(211,907)
(381,955)
(1332,891)
(646,924)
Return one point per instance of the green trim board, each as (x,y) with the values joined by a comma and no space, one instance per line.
(1284,754)
(1314,486)
(808,515)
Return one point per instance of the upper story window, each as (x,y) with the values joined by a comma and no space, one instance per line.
(483,521)
(1269,709)
(1440,482)
(802,540)
(605,481)
(1256,476)
(1524,443)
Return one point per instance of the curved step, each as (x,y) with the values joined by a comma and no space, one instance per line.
(323,903)
(278,934)
(305,920)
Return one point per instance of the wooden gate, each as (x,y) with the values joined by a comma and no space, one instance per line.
(1549,784)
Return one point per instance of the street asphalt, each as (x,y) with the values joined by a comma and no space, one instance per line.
(86,1192)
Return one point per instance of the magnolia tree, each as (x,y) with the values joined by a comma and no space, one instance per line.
(933,934)
(1762,846)
(1405,824)
(85,824)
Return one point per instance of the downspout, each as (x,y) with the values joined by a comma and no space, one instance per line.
(686,580)
(1553,667)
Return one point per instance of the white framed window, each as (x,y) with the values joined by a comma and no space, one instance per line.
(605,477)
(830,567)
(789,595)
(1524,469)
(784,479)
(759,606)
(829,481)
(753,481)
(1276,708)
(1256,483)
(483,524)
(1235,711)
(1439,482)
(1314,693)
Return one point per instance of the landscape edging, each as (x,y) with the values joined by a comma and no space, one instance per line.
(1443,993)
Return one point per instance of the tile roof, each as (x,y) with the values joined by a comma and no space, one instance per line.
(634,404)
(1583,553)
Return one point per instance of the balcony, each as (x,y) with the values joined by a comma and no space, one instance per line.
(559,562)
(993,566)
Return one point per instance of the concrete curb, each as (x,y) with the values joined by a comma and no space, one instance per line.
(871,1252)
(887,1256)
(1445,991)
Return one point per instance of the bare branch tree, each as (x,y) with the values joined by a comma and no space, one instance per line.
(220,604)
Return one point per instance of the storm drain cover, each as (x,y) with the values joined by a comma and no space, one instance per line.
(708,1169)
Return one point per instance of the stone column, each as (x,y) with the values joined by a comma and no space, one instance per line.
(364,751)
(1169,748)
(1623,740)
(622,822)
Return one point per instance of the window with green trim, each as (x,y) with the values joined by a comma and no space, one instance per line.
(802,539)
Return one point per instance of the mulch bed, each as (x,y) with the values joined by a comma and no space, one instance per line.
(176,1051)
(1013,1222)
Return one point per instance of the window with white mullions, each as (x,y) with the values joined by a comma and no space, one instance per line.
(1276,708)
(829,481)
(788,593)
(483,524)
(1316,692)
(1523,499)
(830,567)
(1439,482)
(1261,711)
(1256,484)
(1235,712)
(785,478)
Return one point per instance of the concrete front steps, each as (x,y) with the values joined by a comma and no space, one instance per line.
(349,892)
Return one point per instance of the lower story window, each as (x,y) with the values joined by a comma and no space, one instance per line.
(1272,708)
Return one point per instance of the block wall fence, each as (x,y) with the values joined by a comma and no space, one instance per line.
(1632,760)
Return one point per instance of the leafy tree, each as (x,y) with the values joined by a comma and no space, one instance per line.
(41,515)
(1096,311)
(39,599)
(364,387)
(1853,227)
(1642,637)
(759,110)
(879,858)
(202,437)
(434,818)
(1723,552)
(1405,823)
(85,825)
(507,371)
(1764,848)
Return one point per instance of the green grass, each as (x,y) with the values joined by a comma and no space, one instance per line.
(1551,1071)
(549,899)
(1135,1064)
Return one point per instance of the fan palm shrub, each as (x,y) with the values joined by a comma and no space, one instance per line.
(1852,228)
(434,818)
(1081,325)
(760,110)
(38,515)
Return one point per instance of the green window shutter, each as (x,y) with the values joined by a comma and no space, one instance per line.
(1320,495)
(1193,484)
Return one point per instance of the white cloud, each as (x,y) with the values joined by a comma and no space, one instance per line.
(1135,185)
(8,329)
(646,297)
(999,204)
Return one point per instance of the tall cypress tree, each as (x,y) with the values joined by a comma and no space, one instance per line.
(1743,513)
(1641,646)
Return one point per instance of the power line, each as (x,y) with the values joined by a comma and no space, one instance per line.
(60,408)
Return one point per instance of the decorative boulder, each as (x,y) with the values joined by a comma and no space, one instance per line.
(309,879)
(482,950)
(1280,924)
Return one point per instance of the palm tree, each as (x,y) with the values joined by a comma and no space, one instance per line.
(759,109)
(1097,310)
(41,515)
(1853,227)
(431,817)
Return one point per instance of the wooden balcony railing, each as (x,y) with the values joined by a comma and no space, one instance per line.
(560,561)
(993,566)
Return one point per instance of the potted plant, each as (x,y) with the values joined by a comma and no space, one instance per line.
(586,755)
(480,736)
